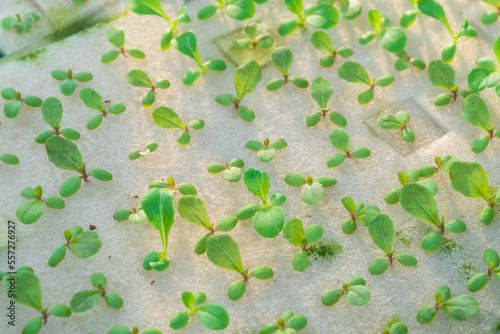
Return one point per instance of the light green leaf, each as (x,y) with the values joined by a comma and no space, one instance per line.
(268,222)
(246,78)
(224,252)
(63,153)
(381,229)
(138,78)
(293,232)
(353,72)
(469,179)
(475,111)
(418,201)
(213,316)
(193,210)
(257,183)
(167,118)
(321,91)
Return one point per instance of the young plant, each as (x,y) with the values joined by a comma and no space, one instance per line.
(321,91)
(138,78)
(354,291)
(246,78)
(150,147)
(487,75)
(322,42)
(64,154)
(442,166)
(479,281)
(359,214)
(136,215)
(134,330)
(398,121)
(459,308)
(340,140)
(236,9)
(9,159)
(168,119)
(404,61)
(282,59)
(322,16)
(52,113)
(212,316)
(31,211)
(232,170)
(93,100)
(224,252)
(442,75)
(116,36)
(11,108)
(312,189)
(475,111)
(408,17)
(491,16)
(353,72)
(287,324)
(348,9)
(396,328)
(172,188)
(296,236)
(86,299)
(20,25)
(393,39)
(265,151)
(69,81)
(257,37)
(82,244)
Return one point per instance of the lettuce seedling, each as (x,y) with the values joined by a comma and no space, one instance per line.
(268,218)
(236,9)
(348,9)
(321,91)
(396,328)
(9,159)
(322,16)
(172,188)
(20,25)
(31,211)
(404,61)
(322,42)
(150,147)
(479,281)
(359,214)
(442,75)
(491,16)
(52,112)
(85,300)
(116,36)
(475,111)
(69,81)
(442,166)
(287,324)
(153,7)
(409,17)
(282,59)
(168,119)
(393,39)
(134,330)
(257,37)
(246,78)
(136,215)
(232,170)
(212,316)
(354,291)
(265,151)
(353,72)
(93,100)
(82,244)
(471,180)
(487,75)
(11,108)
(412,175)
(459,308)
(64,154)
(224,252)
(398,121)
(312,189)
(294,233)
(340,140)
(138,78)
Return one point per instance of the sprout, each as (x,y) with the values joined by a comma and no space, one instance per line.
(322,42)
(282,59)
(20,25)
(232,170)
(116,36)
(265,151)
(138,78)
(168,119)
(136,154)
(69,80)
(86,300)
(340,140)
(11,108)
(398,121)
(257,37)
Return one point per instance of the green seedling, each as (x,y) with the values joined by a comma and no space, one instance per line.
(442,75)
(136,215)
(282,59)
(321,91)
(224,252)
(393,39)
(153,7)
(348,9)
(134,330)
(257,36)
(86,299)
(168,119)
(404,61)
(487,75)
(93,100)
(419,202)
(471,180)
(64,154)
(172,188)
(11,108)
(414,175)
(400,122)
(52,112)
(265,151)
(409,17)
(116,36)
(246,78)
(9,159)
(193,210)
(82,244)
(479,281)
(30,212)
(69,80)
(340,140)
(268,218)
(322,42)
(212,316)
(322,16)
(232,170)
(236,9)
(459,308)
(442,166)
(136,154)
(475,111)
(287,324)
(359,212)
(353,72)
(312,189)
(381,229)
(297,236)
(354,291)
(138,78)
(396,328)
(20,25)
(491,16)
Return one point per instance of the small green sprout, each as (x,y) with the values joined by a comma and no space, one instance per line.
(93,100)
(404,61)
(393,39)
(312,189)
(138,78)
(351,71)
(236,9)
(321,91)
(348,9)
(11,108)
(150,147)
(116,36)
(408,17)
(479,281)
(487,75)
(322,42)
(381,229)
(86,299)
(354,291)
(212,316)
(287,324)
(52,112)
(232,170)
(323,16)
(414,175)
(69,81)
(442,166)
(224,252)
(491,16)
(246,78)
(265,151)
(136,216)
(134,330)
(20,25)
(168,119)
(257,37)
(396,328)
(282,59)
(268,218)
(359,212)
(475,111)
(442,75)
(82,244)
(9,159)
(30,212)
(64,154)
(171,187)
(340,140)
(459,308)
(297,236)
(398,121)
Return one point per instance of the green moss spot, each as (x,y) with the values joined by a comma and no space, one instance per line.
(401,239)
(449,245)
(326,250)
(466,271)
(393,320)
(32,55)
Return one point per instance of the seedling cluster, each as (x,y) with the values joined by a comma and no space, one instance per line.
(20,25)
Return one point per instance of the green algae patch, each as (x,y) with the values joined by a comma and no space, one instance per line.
(399,236)
(395,318)
(32,56)
(466,271)
(324,250)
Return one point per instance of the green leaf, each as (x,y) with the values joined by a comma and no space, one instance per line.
(300,261)
(408,135)
(441,75)
(356,281)
(138,78)
(237,290)
(98,280)
(432,241)
(491,256)
(433,9)
(311,193)
(321,91)
(179,320)
(54,202)
(116,108)
(167,118)
(11,109)
(353,72)
(455,226)
(295,180)
(313,119)
(59,75)
(406,260)
(116,36)
(215,168)
(216,65)
(246,78)
(331,297)
(476,112)
(348,204)
(366,213)
(278,144)
(34,326)
(321,41)
(384,81)
(477,282)
(381,229)
(226,224)
(378,266)
(57,256)
(224,252)
(335,160)
(147,7)
(113,300)
(286,28)
(207,12)
(246,114)
(443,100)
(136,54)
(29,212)
(68,87)
(469,179)
(63,153)
(418,201)
(268,222)
(340,139)
(489,17)
(448,52)
(52,111)
(365,96)
(28,291)
(187,45)
(426,314)
(213,316)
(461,307)
(349,226)
(295,6)
(375,18)
(70,186)
(233,174)
(257,183)
(297,322)
(408,18)
(248,211)
(357,295)
(94,122)
(9,93)
(84,76)
(92,99)
(109,56)
(240,9)
(323,16)
(393,39)
(84,300)
(225,99)
(100,174)
(389,122)
(85,244)
(274,84)
(282,59)
(201,245)
(327,61)
(313,233)
(193,210)
(266,154)
(60,311)
(293,232)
